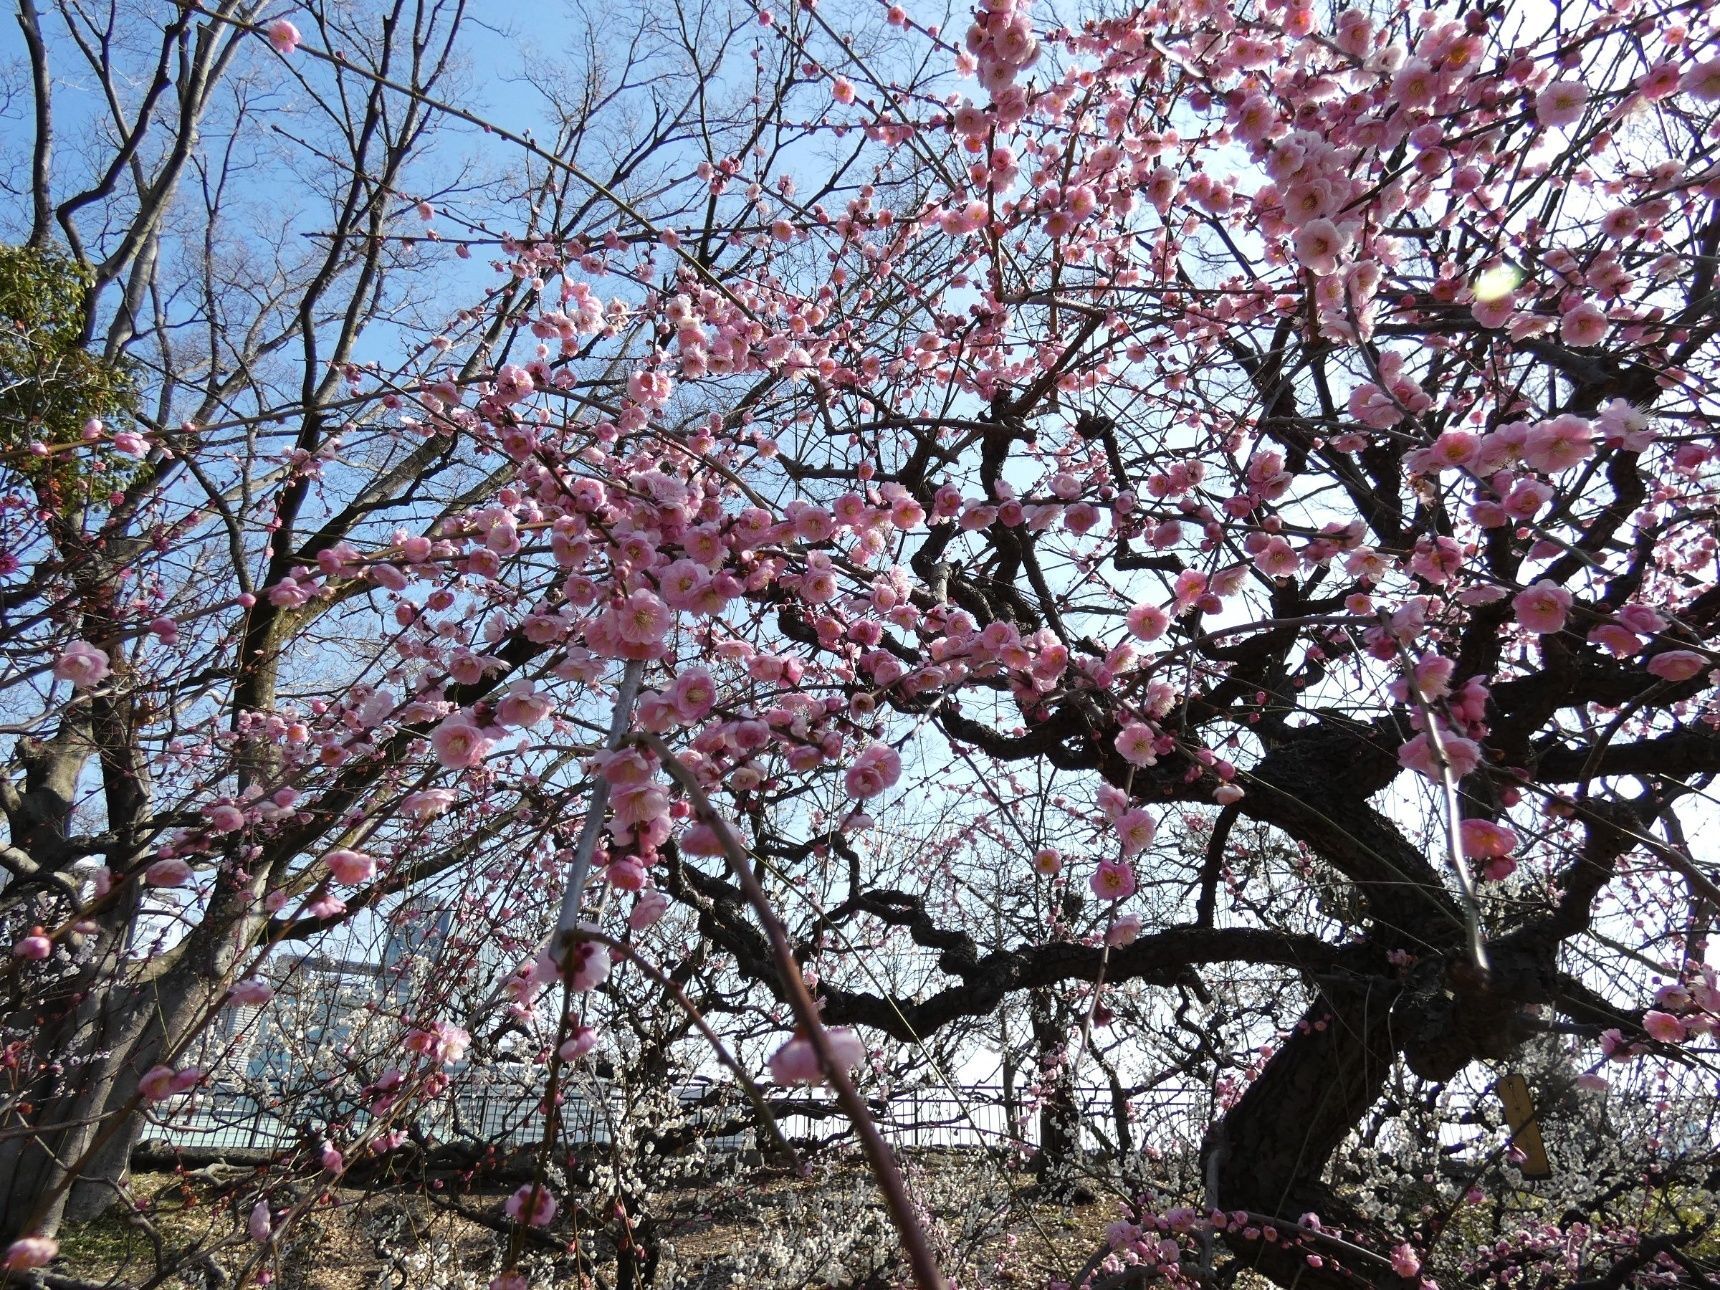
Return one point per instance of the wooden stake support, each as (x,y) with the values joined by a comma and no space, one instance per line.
(1525,1127)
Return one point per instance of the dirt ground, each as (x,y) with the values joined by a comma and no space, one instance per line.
(753,1228)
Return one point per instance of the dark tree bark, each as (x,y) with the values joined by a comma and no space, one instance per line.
(1059,1155)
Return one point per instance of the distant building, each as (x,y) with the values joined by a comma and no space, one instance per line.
(416,935)
(328,1012)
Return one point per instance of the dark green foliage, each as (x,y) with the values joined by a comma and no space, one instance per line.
(51,385)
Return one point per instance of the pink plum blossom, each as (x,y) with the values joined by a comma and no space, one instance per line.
(1559,444)
(252,992)
(427,803)
(1663,1026)
(1419,754)
(578,1044)
(701,839)
(459,744)
(1672,997)
(648,910)
(172,872)
(1136,829)
(1147,622)
(441,1042)
(226,818)
(161,1082)
(1113,880)
(1135,745)
(1542,607)
(1701,81)
(589,967)
(532,1205)
(1677,664)
(283,36)
(30,1252)
(876,769)
(1318,245)
(796,1062)
(1583,326)
(1561,103)
(1404,1261)
(625,873)
(1485,840)
(523,705)
(82,664)
(350,867)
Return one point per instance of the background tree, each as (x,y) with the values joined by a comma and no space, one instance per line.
(55,388)
(242,231)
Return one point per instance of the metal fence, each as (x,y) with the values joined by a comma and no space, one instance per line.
(226,1118)
(505,1115)
(982,1115)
